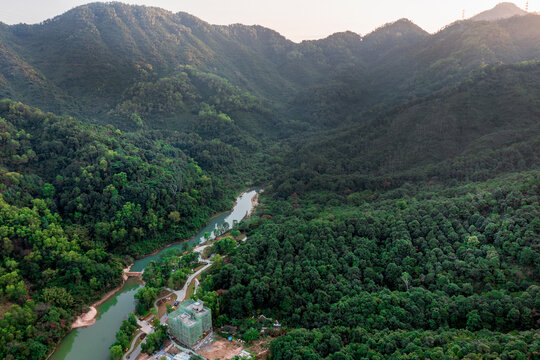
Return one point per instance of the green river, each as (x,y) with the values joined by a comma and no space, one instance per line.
(93,342)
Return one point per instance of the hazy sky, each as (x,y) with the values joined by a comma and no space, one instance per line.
(295,19)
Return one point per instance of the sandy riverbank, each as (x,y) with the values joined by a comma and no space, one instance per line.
(255,202)
(89,318)
(86,319)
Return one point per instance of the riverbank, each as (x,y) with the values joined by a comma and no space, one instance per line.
(89,318)
(87,342)
(86,319)
(255,202)
(210,219)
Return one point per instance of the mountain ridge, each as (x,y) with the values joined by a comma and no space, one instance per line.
(502,10)
(97,51)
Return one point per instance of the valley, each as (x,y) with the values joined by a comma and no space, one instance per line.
(400,216)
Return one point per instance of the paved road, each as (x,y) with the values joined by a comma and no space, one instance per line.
(146,326)
(131,356)
(181,294)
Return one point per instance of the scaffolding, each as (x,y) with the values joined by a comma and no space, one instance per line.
(199,311)
(190,321)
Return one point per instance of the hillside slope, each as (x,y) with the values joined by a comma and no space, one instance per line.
(400,217)
(486,125)
(96,52)
(79,201)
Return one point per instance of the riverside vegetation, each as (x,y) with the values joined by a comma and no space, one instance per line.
(400,217)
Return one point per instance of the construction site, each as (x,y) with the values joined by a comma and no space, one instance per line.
(190,322)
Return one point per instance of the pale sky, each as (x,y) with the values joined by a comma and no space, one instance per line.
(295,19)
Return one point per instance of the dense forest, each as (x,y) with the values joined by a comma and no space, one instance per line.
(79,201)
(401,169)
(417,258)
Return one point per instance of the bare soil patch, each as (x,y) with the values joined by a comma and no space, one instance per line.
(221,349)
(86,319)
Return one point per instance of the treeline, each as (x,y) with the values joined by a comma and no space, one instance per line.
(482,128)
(339,343)
(131,194)
(124,337)
(188,91)
(196,102)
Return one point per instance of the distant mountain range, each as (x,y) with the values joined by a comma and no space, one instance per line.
(83,62)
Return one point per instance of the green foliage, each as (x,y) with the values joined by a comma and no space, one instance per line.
(118,188)
(186,94)
(225,246)
(251,335)
(29,330)
(37,248)
(358,343)
(172,270)
(154,340)
(116,352)
(73,199)
(484,127)
(394,225)
(450,259)
(124,337)
(145,299)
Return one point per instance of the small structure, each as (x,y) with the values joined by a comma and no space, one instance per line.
(190,322)
(182,356)
(244,355)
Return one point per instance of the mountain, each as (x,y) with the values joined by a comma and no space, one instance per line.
(401,175)
(503,10)
(410,69)
(483,127)
(97,52)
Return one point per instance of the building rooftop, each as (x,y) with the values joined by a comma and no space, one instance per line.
(186,319)
(197,307)
(182,356)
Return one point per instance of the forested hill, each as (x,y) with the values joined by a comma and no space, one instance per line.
(485,126)
(413,236)
(95,52)
(78,202)
(128,192)
(400,217)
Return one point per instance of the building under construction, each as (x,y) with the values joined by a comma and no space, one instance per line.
(190,322)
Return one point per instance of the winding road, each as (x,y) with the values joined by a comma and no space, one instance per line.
(180,296)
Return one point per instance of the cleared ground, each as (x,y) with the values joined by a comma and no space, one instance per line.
(221,349)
